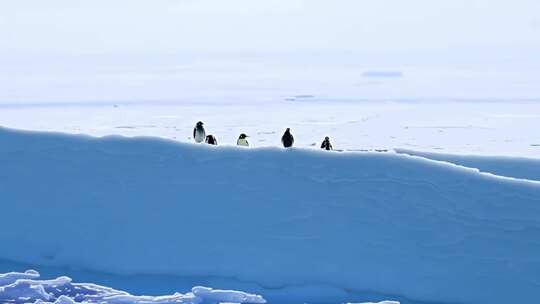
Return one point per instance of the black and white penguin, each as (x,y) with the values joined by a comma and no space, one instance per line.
(211,140)
(287,139)
(326,145)
(198,133)
(242,140)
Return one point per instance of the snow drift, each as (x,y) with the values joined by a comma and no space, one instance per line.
(21,288)
(362,223)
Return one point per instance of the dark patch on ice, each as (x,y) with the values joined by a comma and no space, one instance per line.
(535,145)
(382,74)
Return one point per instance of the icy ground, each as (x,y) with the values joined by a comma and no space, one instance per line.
(22,288)
(29,288)
(477,128)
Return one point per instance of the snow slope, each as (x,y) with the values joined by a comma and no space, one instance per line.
(362,223)
(517,167)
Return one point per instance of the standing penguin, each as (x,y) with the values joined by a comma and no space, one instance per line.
(211,140)
(242,141)
(198,133)
(287,139)
(326,145)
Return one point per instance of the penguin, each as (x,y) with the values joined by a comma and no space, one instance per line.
(198,133)
(242,141)
(287,139)
(326,145)
(211,140)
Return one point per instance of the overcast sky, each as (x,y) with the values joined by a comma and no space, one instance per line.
(280,25)
(75,50)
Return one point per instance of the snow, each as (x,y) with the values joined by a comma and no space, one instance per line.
(325,224)
(517,167)
(467,128)
(383,302)
(450,213)
(8,278)
(63,291)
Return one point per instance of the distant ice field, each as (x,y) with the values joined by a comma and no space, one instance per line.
(471,128)
(482,102)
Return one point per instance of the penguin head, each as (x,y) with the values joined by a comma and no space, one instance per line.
(288,130)
(242,136)
(327,138)
(200,123)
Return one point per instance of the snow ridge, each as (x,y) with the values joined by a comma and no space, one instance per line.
(515,167)
(362,223)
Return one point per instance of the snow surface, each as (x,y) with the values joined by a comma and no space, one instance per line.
(517,167)
(383,302)
(355,223)
(468,128)
(25,287)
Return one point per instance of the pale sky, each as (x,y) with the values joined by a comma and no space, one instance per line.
(247,50)
(279,25)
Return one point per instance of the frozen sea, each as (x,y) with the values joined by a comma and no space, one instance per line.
(480,103)
(477,128)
